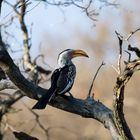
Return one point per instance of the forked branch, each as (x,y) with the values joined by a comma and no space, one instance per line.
(122,79)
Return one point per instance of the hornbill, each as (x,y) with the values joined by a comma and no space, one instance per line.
(62,78)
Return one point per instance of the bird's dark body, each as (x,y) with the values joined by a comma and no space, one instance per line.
(61,82)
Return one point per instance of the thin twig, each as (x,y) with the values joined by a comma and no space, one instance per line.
(34,7)
(15,7)
(131,33)
(129,55)
(90,89)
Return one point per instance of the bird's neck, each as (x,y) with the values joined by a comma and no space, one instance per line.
(62,63)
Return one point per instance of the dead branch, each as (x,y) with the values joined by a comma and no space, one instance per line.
(120,51)
(119,118)
(119,88)
(26,57)
(134,49)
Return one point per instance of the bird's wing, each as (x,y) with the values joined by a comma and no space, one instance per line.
(44,100)
(65,81)
(55,77)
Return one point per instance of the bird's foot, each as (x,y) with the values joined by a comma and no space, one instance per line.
(71,95)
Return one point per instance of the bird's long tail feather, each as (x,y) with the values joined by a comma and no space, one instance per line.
(44,100)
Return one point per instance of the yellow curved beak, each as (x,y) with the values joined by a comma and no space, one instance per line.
(76,53)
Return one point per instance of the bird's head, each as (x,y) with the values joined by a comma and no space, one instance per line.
(65,56)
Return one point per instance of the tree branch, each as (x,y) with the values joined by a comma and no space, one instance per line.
(134,49)
(88,108)
(119,118)
(119,88)
(120,51)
